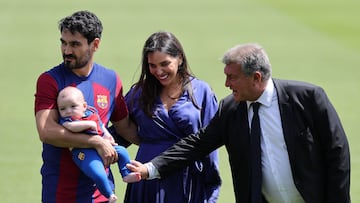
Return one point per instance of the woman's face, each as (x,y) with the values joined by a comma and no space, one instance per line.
(164,67)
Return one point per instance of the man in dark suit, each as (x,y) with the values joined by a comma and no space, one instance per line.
(303,152)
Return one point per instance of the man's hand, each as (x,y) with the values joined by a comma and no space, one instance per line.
(106,150)
(136,166)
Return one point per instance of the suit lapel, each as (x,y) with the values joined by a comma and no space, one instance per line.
(287,120)
(240,129)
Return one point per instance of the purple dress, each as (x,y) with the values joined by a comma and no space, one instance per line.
(200,181)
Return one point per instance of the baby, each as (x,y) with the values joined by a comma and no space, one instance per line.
(77,116)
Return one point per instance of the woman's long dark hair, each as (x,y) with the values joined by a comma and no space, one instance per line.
(164,42)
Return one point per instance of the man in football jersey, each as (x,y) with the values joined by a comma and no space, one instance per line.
(62,181)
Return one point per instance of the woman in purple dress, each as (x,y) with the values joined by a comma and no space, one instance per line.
(168,103)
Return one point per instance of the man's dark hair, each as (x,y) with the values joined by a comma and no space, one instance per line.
(84,22)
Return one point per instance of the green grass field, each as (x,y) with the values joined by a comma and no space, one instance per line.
(315,41)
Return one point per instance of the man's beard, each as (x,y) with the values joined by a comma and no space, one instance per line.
(78,63)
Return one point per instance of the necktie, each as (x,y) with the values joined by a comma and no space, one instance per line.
(255,156)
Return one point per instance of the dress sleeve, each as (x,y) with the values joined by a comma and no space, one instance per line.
(209,105)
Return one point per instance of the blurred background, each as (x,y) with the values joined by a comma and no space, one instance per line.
(314,41)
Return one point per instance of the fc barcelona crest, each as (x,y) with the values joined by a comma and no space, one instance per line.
(81,156)
(102,101)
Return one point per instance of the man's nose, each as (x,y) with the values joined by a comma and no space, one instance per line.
(227,83)
(67,49)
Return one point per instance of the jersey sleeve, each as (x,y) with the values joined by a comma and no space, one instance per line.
(46,92)
(120,110)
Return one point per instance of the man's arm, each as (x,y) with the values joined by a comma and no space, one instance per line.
(189,148)
(176,157)
(337,152)
(51,132)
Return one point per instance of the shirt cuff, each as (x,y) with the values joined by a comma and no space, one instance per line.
(153,172)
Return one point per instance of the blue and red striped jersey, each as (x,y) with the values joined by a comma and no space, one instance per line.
(102,88)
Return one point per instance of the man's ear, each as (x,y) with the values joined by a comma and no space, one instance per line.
(257,76)
(96,43)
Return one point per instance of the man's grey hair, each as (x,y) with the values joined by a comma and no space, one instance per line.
(251,57)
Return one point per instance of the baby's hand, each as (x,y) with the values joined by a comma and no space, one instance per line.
(110,138)
(92,125)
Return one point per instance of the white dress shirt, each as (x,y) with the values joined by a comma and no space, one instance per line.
(277,182)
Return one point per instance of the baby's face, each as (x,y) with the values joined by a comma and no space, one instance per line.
(71,106)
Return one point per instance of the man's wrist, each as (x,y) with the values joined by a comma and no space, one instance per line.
(95,141)
(152,171)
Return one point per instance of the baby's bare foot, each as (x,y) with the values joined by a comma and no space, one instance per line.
(112,198)
(132,177)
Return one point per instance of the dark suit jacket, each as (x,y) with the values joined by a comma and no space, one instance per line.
(316,142)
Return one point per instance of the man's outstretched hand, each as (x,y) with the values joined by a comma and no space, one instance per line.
(136,166)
